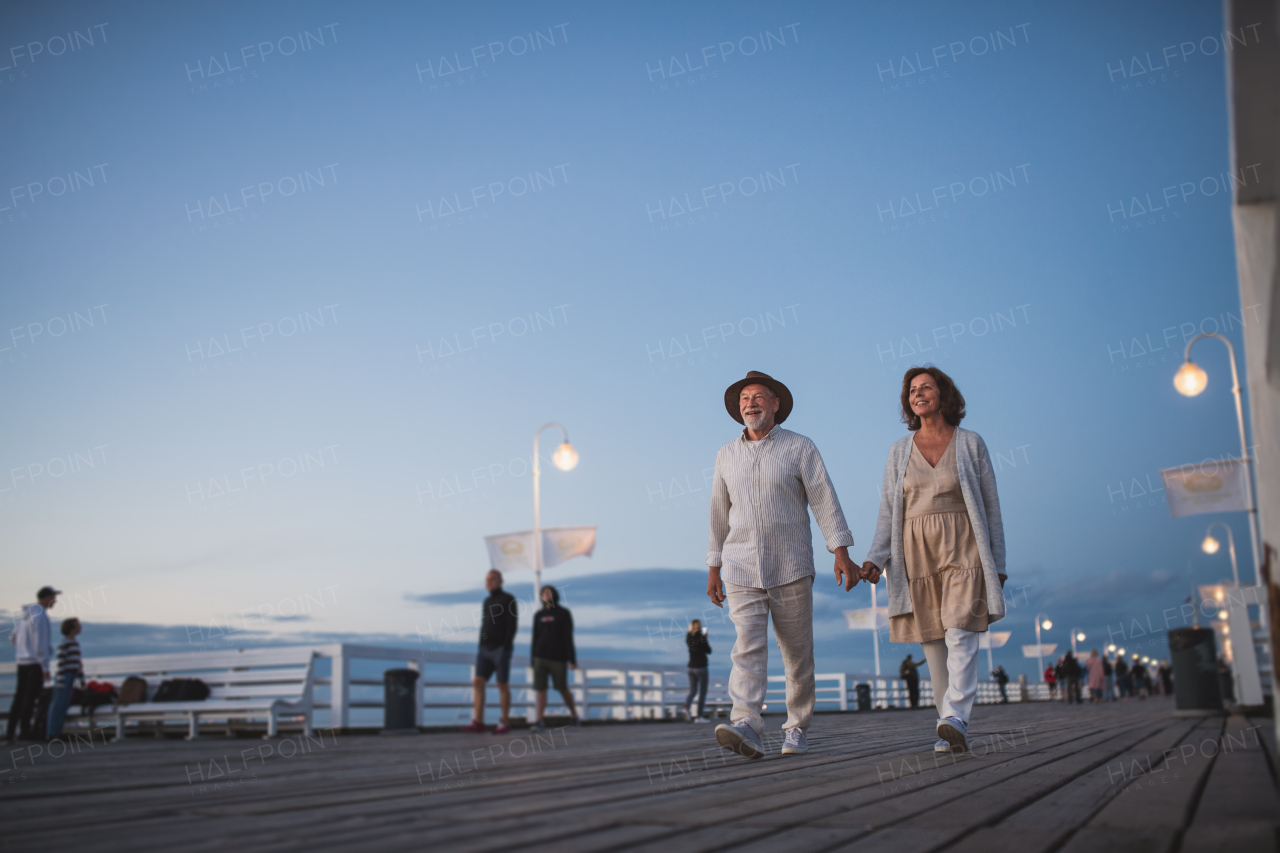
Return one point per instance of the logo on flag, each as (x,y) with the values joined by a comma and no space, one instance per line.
(993,639)
(513,551)
(867,619)
(1212,486)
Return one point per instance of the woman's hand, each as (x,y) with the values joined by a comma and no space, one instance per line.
(870,572)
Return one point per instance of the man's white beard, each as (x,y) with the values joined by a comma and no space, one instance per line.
(755,422)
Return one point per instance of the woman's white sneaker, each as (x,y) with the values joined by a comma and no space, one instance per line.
(954,731)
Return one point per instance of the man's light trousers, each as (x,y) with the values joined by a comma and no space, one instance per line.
(791,606)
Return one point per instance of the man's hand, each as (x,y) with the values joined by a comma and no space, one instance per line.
(870,572)
(715,586)
(846,570)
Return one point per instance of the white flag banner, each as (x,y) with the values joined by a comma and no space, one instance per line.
(1042,650)
(1212,486)
(867,619)
(513,551)
(565,543)
(993,639)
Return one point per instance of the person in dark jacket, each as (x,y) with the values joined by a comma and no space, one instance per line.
(552,652)
(1166,678)
(1002,678)
(699,648)
(1071,671)
(909,672)
(498,624)
(1122,677)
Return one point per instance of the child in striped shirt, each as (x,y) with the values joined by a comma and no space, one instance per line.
(69,672)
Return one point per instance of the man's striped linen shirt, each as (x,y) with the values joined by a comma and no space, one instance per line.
(760,497)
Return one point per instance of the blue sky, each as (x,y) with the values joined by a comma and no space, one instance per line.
(350,280)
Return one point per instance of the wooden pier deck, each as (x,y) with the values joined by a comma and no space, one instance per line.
(1041,777)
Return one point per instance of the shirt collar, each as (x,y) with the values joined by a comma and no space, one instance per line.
(770,435)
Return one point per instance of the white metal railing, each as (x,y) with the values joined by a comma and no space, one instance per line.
(602,689)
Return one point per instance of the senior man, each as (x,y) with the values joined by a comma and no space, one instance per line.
(760,557)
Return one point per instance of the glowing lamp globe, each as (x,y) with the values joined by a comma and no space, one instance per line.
(565,458)
(1046,624)
(1210,545)
(1190,379)
(1080,637)
(1111,648)
(1222,614)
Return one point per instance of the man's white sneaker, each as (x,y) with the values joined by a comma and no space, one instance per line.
(942,746)
(953,731)
(795,743)
(740,738)
(701,720)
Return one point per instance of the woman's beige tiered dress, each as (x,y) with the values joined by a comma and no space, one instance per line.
(944,571)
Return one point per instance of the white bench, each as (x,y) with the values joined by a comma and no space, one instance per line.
(245,684)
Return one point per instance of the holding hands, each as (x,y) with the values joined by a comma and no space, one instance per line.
(849,573)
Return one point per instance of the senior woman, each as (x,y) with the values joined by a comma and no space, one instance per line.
(940,543)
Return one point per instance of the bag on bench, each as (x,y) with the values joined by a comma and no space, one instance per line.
(181,690)
(133,689)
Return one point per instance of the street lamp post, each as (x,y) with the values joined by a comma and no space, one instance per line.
(1040,648)
(564,458)
(1211,546)
(1190,380)
(1076,634)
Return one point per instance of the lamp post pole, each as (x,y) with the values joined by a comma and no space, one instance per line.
(1252,510)
(1039,646)
(1231,548)
(875,624)
(537,514)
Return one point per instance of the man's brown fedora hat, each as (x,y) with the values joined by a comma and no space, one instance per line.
(755,377)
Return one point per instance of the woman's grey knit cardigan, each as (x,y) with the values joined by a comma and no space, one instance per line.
(978,484)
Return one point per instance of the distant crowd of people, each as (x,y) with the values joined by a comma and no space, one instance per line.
(43,692)
(1109,678)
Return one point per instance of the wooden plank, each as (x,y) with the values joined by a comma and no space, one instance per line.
(1168,788)
(1239,806)
(1046,821)
(594,790)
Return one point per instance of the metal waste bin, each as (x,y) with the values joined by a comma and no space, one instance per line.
(1194,658)
(399,711)
(864,696)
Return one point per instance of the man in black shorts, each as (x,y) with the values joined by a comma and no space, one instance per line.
(552,652)
(497,639)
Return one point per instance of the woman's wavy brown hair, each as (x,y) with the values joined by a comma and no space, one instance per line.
(951,400)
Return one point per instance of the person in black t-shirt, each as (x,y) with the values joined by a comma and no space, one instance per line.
(498,626)
(699,648)
(909,672)
(552,652)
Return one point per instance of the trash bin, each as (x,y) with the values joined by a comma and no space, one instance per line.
(1194,658)
(864,697)
(398,705)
